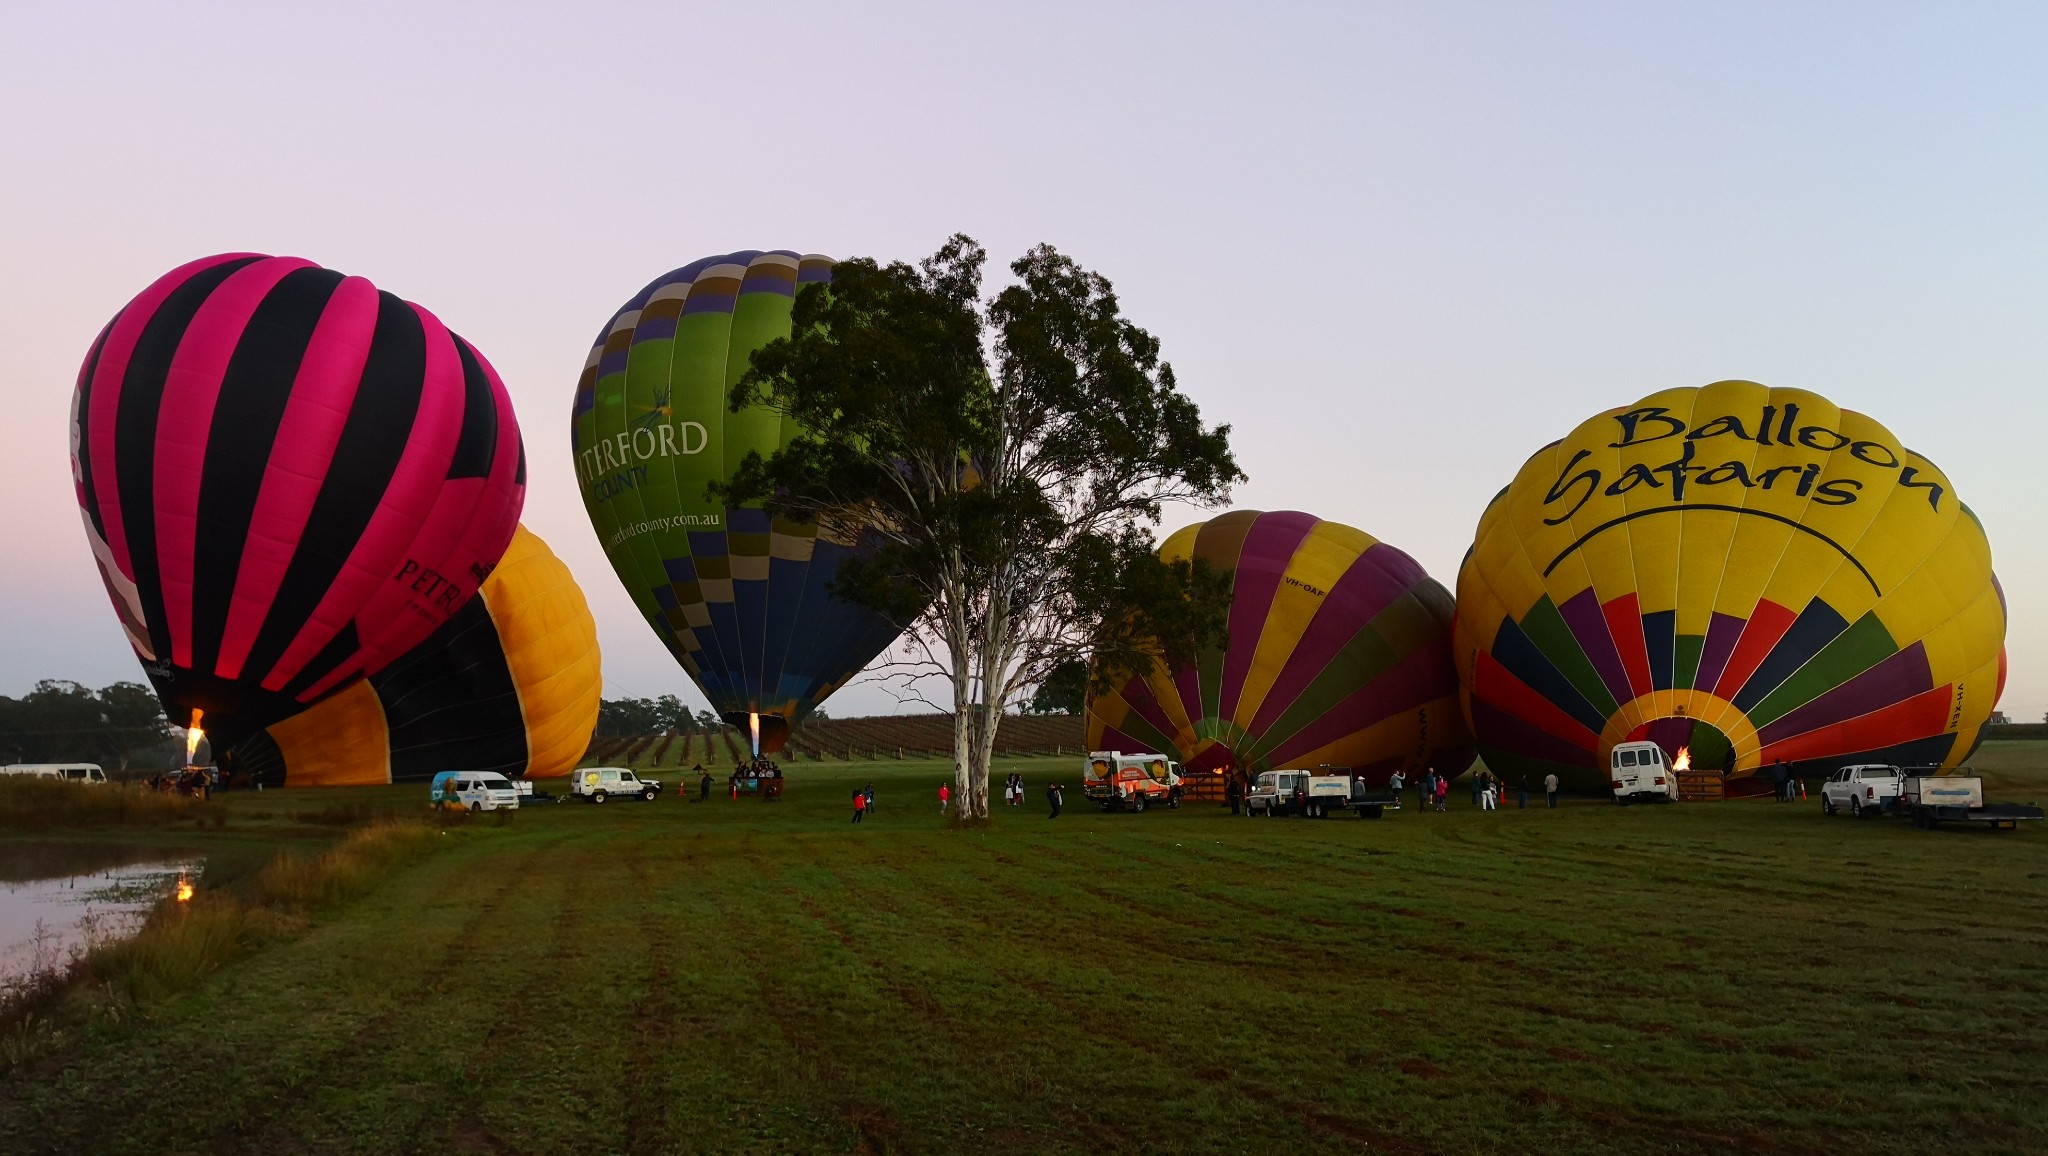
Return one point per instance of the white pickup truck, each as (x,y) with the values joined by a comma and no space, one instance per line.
(1863,790)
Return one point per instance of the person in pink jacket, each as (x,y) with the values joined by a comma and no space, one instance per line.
(945,796)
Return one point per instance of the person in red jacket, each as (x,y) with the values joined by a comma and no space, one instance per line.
(945,796)
(860,805)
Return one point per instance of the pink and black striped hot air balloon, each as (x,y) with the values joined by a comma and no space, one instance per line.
(289,478)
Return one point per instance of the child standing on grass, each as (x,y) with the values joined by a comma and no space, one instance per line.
(871,798)
(945,796)
(1443,791)
(860,805)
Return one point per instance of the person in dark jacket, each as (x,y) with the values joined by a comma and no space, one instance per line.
(703,784)
(1056,796)
(1233,792)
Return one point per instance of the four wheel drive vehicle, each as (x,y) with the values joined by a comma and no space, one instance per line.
(1863,790)
(1639,774)
(1277,793)
(69,772)
(1317,793)
(597,784)
(474,791)
(1116,781)
(1933,798)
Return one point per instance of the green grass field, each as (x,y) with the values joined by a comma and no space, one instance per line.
(750,977)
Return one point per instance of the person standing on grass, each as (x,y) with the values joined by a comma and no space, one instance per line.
(1427,788)
(1550,789)
(1395,783)
(1054,797)
(1443,791)
(1020,788)
(1478,786)
(870,798)
(860,805)
(1486,794)
(703,784)
(945,797)
(1233,794)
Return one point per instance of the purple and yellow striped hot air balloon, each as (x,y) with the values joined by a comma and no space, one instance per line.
(1339,653)
(289,479)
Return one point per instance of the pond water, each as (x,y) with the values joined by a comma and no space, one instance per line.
(57,898)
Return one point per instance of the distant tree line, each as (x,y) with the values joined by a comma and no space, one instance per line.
(64,722)
(623,717)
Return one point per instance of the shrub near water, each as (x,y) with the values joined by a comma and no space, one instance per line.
(181,943)
(30,803)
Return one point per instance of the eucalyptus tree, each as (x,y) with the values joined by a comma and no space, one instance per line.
(1003,460)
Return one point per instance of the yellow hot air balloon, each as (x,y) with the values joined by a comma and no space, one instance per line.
(1750,574)
(511,684)
(1338,653)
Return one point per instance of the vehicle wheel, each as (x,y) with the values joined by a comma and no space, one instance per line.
(476,808)
(1173,802)
(598,796)
(1138,804)
(1855,808)
(647,794)
(1373,812)
(1827,806)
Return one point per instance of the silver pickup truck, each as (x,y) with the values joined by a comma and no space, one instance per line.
(1863,790)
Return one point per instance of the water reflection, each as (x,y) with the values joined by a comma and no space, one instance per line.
(56,898)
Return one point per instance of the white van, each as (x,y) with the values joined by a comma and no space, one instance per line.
(1639,773)
(474,790)
(596,784)
(69,772)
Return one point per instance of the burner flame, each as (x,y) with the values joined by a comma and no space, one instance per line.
(194,735)
(1684,760)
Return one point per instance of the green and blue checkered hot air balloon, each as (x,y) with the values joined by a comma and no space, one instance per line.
(741,599)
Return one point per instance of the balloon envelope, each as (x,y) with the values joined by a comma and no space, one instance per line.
(1753,573)
(741,600)
(1339,653)
(288,478)
(510,684)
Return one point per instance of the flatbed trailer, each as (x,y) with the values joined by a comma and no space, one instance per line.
(1931,800)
